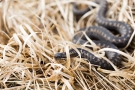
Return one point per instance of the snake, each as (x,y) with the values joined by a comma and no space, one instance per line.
(102,36)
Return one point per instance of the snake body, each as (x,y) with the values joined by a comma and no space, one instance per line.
(104,38)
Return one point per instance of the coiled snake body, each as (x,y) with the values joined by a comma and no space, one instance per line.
(104,36)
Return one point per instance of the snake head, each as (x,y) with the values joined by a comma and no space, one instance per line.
(60,55)
(72,53)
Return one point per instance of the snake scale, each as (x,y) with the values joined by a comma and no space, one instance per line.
(103,37)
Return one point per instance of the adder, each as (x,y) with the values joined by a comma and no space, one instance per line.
(103,37)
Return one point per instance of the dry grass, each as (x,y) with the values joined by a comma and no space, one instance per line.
(34,30)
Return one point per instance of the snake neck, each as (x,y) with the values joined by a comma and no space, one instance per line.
(103,9)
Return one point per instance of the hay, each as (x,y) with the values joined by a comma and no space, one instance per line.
(32,31)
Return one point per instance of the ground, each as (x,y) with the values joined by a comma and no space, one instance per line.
(32,31)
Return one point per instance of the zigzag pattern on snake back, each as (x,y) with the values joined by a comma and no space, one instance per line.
(104,37)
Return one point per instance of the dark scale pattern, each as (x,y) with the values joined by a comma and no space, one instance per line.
(103,34)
